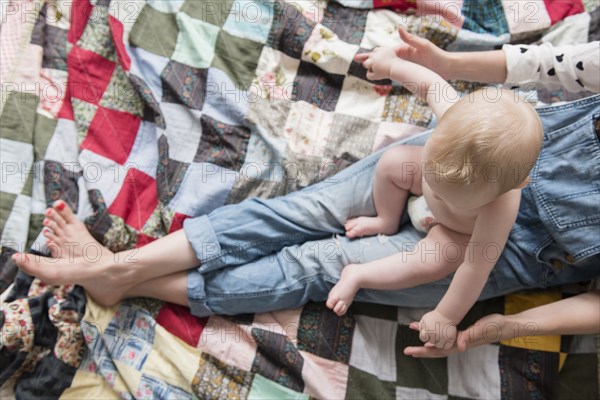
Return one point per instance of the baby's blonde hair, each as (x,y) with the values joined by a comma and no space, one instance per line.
(488,136)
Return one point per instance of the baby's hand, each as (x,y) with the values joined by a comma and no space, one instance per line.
(378,62)
(437,330)
(423,52)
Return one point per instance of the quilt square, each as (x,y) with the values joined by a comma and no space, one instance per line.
(96,36)
(420,373)
(326,50)
(204,188)
(121,95)
(17,160)
(222,144)
(250,19)
(488,17)
(225,100)
(158,41)
(307,129)
(150,387)
(134,348)
(347,23)
(290,29)
(263,388)
(325,379)
(149,67)
(61,183)
(237,57)
(89,75)
(144,153)
(103,174)
(195,41)
(403,106)
(264,157)
(151,108)
(169,172)
(218,380)
(317,87)
(170,6)
(324,334)
(55,48)
(363,385)
(183,131)
(184,85)
(436,30)
(212,12)
(374,347)
(381,29)
(274,80)
(137,199)
(228,341)
(527,16)
(350,135)
(84,113)
(278,359)
(109,127)
(18,117)
(527,373)
(480,365)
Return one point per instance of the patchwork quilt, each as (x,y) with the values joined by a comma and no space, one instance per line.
(141,114)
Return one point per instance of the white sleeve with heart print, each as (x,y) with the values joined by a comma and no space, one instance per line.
(574,68)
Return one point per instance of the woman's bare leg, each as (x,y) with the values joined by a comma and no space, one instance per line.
(435,256)
(171,288)
(106,276)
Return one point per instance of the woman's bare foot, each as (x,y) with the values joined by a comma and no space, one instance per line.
(342,294)
(67,235)
(106,281)
(368,226)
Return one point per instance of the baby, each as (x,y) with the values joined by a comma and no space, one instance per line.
(469,174)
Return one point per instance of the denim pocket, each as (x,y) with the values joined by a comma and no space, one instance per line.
(566,186)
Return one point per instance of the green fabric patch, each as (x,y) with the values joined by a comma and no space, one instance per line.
(380,311)
(18,117)
(6,204)
(195,42)
(362,385)
(430,374)
(214,13)
(237,57)
(121,95)
(43,131)
(84,113)
(578,378)
(96,36)
(154,31)
(35,227)
(263,389)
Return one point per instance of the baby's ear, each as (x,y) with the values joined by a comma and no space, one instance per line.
(525,182)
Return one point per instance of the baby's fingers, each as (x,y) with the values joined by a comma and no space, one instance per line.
(361,57)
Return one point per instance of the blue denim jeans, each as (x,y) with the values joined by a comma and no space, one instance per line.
(266,254)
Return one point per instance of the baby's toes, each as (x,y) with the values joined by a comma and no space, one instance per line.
(340,308)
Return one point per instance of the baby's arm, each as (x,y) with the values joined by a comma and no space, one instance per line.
(382,63)
(492,228)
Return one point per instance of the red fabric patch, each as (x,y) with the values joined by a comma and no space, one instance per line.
(66,110)
(177,222)
(396,5)
(560,9)
(89,75)
(111,134)
(136,200)
(116,28)
(144,240)
(80,13)
(179,321)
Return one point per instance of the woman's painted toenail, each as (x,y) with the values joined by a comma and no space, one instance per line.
(60,206)
(49,211)
(45,221)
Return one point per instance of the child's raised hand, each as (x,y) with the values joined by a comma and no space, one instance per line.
(435,330)
(378,62)
(421,51)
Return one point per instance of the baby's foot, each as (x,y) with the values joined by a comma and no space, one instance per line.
(368,226)
(342,294)
(67,235)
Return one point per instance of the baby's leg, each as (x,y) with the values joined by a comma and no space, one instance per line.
(398,173)
(434,257)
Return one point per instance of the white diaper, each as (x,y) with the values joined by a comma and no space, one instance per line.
(420,214)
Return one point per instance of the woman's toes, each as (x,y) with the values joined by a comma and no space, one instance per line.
(64,210)
(53,226)
(53,215)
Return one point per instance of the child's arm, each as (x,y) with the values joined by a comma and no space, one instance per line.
(576,315)
(492,228)
(477,66)
(382,63)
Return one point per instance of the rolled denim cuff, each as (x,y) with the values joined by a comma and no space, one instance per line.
(196,294)
(203,239)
